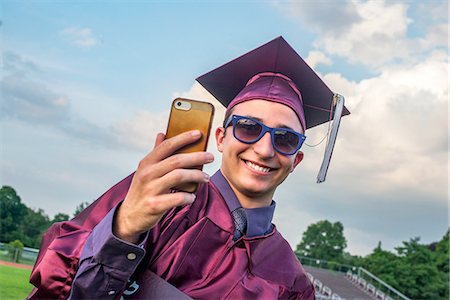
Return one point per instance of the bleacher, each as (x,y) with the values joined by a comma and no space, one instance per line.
(334,285)
(334,281)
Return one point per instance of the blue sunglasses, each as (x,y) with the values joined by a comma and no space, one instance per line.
(248,130)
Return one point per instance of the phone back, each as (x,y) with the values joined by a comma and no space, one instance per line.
(186,115)
(190,115)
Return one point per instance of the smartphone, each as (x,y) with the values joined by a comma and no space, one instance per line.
(186,115)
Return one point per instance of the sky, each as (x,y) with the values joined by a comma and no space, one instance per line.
(86,85)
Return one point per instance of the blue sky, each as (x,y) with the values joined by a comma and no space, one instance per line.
(87,84)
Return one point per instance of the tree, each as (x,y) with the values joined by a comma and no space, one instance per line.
(34,225)
(80,208)
(418,273)
(323,240)
(441,260)
(12,213)
(60,217)
(441,254)
(383,264)
(15,249)
(412,270)
(351,260)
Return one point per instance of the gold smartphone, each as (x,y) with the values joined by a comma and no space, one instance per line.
(186,115)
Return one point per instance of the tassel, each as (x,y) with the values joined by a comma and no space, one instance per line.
(338,102)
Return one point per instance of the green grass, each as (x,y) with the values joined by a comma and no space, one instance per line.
(14,283)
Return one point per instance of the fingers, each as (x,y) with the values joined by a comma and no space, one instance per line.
(159,139)
(162,203)
(167,147)
(178,177)
(180,161)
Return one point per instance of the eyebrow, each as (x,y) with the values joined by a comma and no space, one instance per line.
(278,126)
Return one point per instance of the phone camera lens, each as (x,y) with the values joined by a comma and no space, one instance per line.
(178,103)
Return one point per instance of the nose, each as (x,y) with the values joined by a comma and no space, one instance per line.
(264,147)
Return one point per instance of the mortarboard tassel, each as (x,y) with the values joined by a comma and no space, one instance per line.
(338,102)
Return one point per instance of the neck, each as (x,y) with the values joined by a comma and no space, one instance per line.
(250,200)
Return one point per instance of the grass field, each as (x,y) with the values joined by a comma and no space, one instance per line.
(14,283)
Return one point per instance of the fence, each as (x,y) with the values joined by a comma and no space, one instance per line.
(26,256)
(328,265)
(380,286)
(363,278)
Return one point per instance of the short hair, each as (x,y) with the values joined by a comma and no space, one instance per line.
(227,116)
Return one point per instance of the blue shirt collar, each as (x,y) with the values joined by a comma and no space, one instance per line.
(259,220)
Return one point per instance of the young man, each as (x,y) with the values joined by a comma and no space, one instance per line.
(218,243)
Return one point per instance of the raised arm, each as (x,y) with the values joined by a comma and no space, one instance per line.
(115,247)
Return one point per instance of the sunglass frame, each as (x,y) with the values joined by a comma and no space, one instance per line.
(235,118)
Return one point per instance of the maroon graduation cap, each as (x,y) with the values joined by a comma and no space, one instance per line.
(277,56)
(318,103)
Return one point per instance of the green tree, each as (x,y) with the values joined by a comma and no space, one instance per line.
(12,213)
(441,254)
(411,270)
(80,208)
(441,260)
(351,260)
(33,226)
(418,273)
(323,240)
(60,217)
(383,264)
(15,249)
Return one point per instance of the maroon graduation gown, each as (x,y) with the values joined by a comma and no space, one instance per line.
(192,248)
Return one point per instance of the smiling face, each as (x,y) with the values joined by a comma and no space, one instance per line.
(254,171)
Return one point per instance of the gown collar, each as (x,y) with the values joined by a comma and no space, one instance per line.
(259,220)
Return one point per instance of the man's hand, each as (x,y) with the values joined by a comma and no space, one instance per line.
(149,196)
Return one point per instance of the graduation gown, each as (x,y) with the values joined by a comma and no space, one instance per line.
(192,248)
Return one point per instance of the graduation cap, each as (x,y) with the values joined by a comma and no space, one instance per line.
(275,72)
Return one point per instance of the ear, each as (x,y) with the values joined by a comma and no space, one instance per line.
(298,158)
(220,136)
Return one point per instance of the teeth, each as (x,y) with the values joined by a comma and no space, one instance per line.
(257,168)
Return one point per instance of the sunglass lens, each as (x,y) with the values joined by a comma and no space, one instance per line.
(247,130)
(286,141)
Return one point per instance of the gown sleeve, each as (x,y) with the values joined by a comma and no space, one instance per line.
(62,245)
(106,263)
(57,262)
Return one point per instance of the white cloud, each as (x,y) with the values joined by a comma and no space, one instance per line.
(369,32)
(390,162)
(18,65)
(361,243)
(321,15)
(378,36)
(80,37)
(31,102)
(140,130)
(28,99)
(284,215)
(315,58)
(397,133)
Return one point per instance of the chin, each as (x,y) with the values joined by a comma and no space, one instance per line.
(256,190)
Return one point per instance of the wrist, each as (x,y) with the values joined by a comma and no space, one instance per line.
(120,228)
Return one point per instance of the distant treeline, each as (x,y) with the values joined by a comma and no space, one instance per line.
(417,270)
(19,222)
